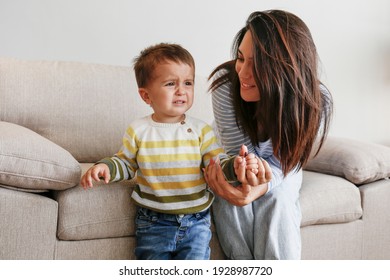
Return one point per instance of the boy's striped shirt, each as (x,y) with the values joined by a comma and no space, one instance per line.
(167,159)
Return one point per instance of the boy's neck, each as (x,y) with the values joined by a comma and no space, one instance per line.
(169,120)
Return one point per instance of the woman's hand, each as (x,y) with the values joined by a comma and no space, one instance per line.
(255,186)
(239,196)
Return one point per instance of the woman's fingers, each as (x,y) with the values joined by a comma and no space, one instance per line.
(261,175)
(267,170)
(240,168)
(243,151)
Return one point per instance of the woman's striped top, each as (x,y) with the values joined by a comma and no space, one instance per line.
(231,137)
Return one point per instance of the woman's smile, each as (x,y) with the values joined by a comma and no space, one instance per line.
(247,86)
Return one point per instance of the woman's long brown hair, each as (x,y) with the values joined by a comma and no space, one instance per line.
(293,111)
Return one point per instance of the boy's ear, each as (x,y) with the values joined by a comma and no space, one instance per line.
(144,95)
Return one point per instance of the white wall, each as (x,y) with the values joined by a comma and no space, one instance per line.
(352,36)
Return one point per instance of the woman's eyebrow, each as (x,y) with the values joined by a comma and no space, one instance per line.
(241,54)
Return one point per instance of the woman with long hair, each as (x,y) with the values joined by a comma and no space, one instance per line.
(269,98)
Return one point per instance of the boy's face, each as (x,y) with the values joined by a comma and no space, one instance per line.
(170,92)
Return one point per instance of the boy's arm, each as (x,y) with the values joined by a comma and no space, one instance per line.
(123,164)
(118,169)
(211,150)
(235,168)
(227,165)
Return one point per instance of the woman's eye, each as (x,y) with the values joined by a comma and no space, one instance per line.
(240,59)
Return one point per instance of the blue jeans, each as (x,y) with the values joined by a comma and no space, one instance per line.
(172,237)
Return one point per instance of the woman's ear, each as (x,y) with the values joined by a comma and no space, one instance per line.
(144,95)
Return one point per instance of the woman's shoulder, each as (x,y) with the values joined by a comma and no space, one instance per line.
(326,97)
(324,90)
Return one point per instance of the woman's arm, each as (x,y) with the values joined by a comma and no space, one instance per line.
(232,138)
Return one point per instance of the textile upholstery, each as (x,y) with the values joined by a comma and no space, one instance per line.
(57,118)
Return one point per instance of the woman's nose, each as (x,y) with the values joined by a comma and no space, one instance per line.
(245,71)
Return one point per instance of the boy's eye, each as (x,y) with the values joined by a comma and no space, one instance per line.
(189,83)
(170,84)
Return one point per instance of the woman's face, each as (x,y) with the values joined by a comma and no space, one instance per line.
(244,65)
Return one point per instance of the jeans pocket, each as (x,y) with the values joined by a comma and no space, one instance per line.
(145,218)
(204,217)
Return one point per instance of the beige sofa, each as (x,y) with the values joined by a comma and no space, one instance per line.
(57,118)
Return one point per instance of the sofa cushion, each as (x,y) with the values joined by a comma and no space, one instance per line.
(327,199)
(106,211)
(103,211)
(28,225)
(359,162)
(28,161)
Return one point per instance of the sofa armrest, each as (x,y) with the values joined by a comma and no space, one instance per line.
(357,161)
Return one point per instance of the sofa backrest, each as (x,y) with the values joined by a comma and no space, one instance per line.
(83,107)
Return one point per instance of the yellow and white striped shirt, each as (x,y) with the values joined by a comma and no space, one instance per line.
(168,159)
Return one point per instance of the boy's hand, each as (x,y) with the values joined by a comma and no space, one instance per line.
(245,163)
(96,172)
(263,174)
(250,169)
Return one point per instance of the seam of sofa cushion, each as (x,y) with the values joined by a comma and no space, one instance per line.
(325,164)
(41,161)
(344,169)
(313,221)
(36,177)
(64,229)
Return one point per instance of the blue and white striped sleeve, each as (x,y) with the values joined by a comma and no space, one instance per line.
(231,137)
